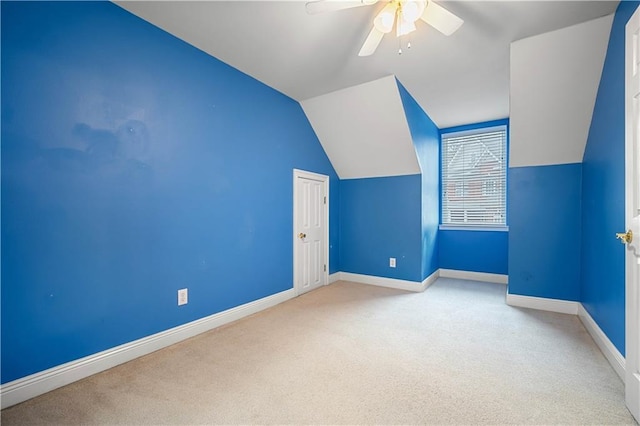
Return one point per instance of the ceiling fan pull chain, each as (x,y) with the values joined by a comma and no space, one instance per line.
(400,44)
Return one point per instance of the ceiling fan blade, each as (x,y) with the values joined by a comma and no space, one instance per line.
(441,19)
(371,43)
(322,6)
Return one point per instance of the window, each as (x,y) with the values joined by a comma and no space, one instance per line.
(474,178)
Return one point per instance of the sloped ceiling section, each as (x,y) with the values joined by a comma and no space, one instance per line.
(554,83)
(364,130)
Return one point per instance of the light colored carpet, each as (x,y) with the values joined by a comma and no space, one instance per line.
(356,354)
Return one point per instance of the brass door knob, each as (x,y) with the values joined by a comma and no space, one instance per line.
(625,237)
(302,236)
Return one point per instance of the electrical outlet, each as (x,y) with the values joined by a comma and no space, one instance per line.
(183,296)
(392,262)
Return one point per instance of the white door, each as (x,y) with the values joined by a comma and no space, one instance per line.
(310,230)
(632,214)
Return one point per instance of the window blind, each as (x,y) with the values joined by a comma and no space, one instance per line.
(474,178)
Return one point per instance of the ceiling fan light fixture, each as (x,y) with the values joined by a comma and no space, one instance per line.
(404,26)
(383,22)
(412,10)
(401,14)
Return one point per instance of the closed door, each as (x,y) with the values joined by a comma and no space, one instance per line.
(310,231)
(632,214)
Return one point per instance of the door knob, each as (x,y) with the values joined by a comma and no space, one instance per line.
(625,237)
(302,236)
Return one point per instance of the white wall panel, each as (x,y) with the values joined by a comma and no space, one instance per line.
(554,83)
(364,130)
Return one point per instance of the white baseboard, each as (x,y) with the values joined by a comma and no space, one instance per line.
(475,276)
(20,390)
(610,352)
(390,282)
(430,279)
(543,304)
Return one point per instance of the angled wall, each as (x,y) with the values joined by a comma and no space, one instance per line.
(426,140)
(364,130)
(602,287)
(554,80)
(133,165)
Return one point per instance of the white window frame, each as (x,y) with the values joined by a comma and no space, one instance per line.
(448,225)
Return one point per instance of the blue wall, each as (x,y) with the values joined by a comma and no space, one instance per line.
(379,219)
(602,271)
(544,231)
(475,250)
(426,140)
(584,201)
(133,165)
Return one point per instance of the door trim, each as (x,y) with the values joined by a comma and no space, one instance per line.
(297,174)
(632,328)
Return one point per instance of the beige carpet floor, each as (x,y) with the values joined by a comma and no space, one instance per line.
(357,354)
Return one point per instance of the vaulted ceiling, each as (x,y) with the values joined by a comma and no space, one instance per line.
(459,79)
(352,102)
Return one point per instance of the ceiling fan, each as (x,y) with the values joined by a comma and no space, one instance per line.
(401,14)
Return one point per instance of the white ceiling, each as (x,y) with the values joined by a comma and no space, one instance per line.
(459,79)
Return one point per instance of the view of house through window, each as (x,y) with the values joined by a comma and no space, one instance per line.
(474,177)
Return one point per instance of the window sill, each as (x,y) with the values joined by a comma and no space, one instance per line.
(474,228)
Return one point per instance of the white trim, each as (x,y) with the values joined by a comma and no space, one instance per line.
(390,282)
(543,304)
(474,276)
(477,130)
(632,218)
(430,279)
(452,172)
(607,348)
(612,354)
(334,277)
(297,173)
(28,387)
(501,228)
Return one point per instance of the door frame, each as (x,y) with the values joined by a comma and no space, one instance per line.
(297,174)
(632,287)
